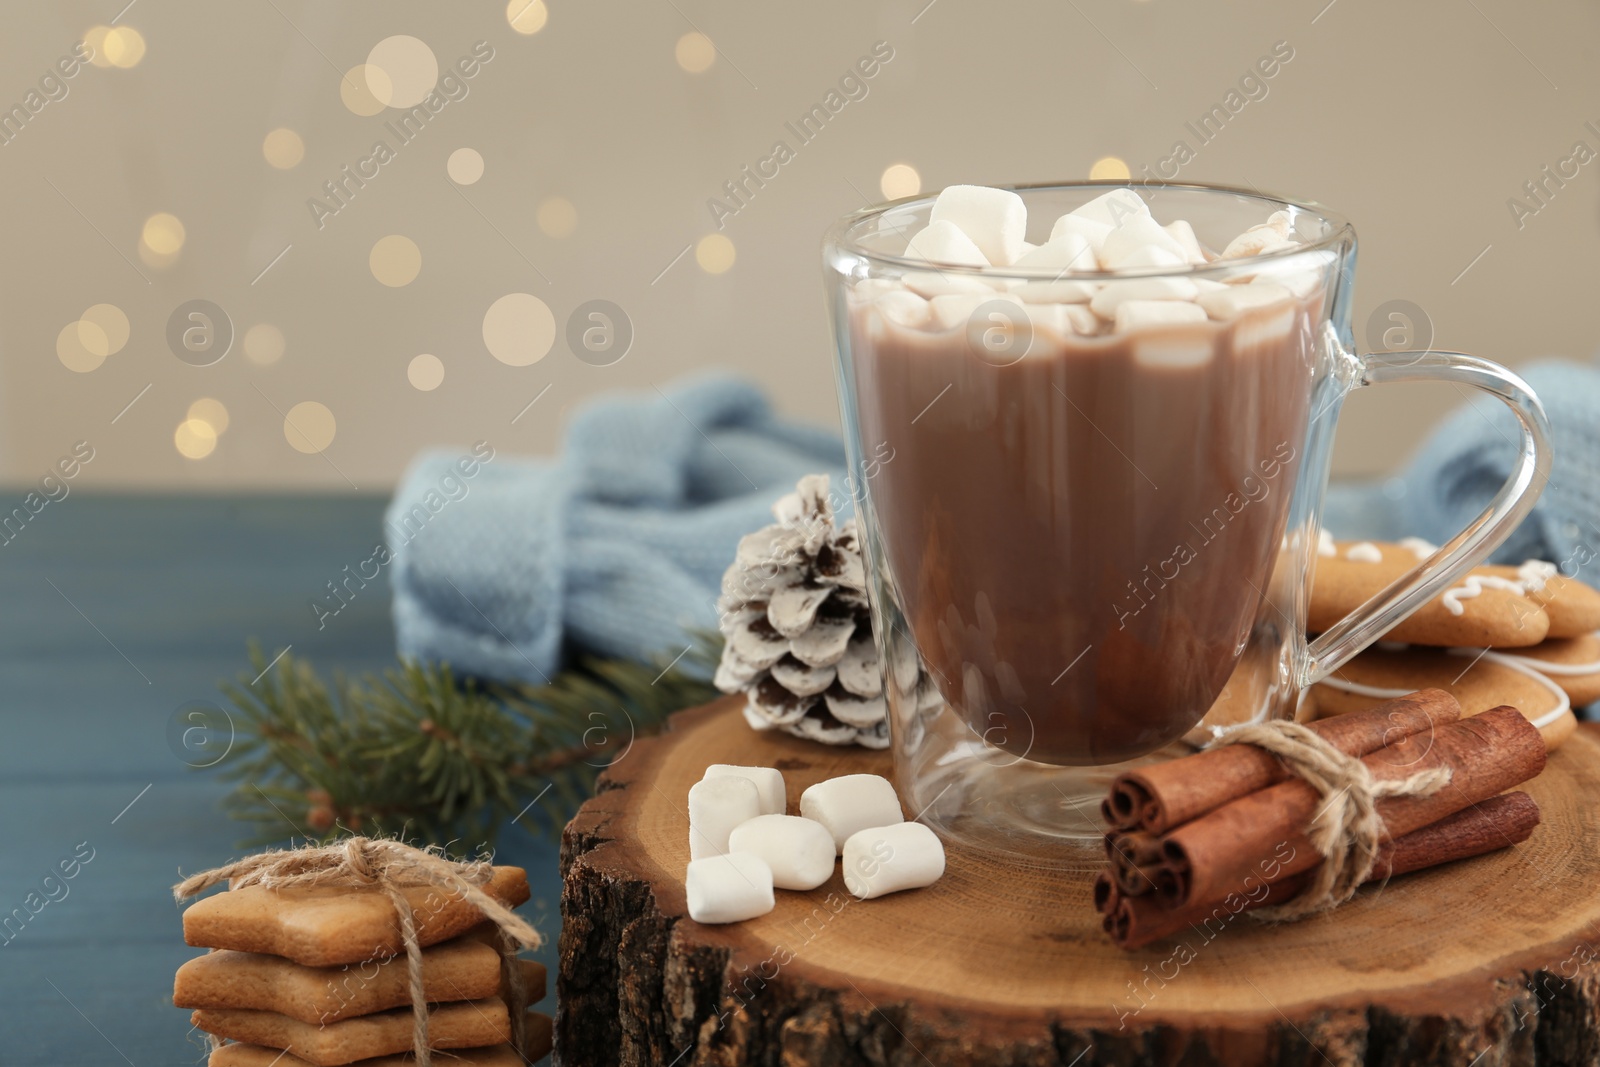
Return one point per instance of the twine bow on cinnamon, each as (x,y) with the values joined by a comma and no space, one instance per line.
(1347,828)
(389,866)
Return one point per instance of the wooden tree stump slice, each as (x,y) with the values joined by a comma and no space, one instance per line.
(1494,960)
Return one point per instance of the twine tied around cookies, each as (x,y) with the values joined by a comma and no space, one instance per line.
(1346,828)
(389,866)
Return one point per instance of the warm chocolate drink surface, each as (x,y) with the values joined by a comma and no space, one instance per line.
(1079,539)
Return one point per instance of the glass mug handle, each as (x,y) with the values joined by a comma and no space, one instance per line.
(1334,648)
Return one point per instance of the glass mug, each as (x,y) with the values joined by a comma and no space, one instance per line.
(1079,547)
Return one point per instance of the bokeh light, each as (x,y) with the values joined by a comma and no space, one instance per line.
(309,427)
(900,179)
(195,439)
(557,217)
(95,38)
(123,46)
(714,253)
(356,92)
(465,166)
(425,372)
(1109,168)
(283,148)
(395,260)
(527,16)
(73,353)
(163,234)
(104,328)
(695,52)
(212,412)
(519,329)
(408,68)
(263,344)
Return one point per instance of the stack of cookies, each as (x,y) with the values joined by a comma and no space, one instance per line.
(1524,636)
(318,975)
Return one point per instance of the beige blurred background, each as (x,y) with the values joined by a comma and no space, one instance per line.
(576,163)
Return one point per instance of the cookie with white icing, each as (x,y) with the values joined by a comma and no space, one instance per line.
(1572,606)
(1492,607)
(1573,663)
(1479,678)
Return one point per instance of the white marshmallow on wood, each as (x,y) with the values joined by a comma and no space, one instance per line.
(995,219)
(1140,314)
(1137,232)
(728,889)
(1090,230)
(1183,233)
(716,806)
(1112,294)
(800,851)
(768,782)
(887,859)
(1234,300)
(1070,252)
(944,242)
(850,803)
(1113,209)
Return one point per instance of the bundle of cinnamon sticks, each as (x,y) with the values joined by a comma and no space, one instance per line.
(1193,842)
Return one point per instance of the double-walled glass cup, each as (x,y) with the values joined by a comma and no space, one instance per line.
(1089,528)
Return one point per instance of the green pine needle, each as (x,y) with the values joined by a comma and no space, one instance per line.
(420,754)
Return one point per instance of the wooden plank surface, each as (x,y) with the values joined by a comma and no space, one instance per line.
(117,611)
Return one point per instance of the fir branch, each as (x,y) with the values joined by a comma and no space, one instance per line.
(422,755)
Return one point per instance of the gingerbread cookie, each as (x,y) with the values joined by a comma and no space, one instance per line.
(1479,678)
(1573,663)
(333,925)
(1572,606)
(463,969)
(467,1024)
(1493,607)
(239,1055)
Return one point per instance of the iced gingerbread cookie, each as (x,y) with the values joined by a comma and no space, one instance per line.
(1491,607)
(1573,663)
(1479,678)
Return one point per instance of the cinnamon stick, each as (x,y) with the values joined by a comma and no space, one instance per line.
(1263,836)
(1496,823)
(1160,796)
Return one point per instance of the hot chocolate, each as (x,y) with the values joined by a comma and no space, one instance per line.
(1081,519)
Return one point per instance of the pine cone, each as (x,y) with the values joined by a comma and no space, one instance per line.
(799,633)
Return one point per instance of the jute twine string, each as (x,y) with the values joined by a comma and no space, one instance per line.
(1347,828)
(389,866)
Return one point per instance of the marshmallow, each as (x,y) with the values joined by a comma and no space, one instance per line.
(716,806)
(1234,300)
(869,289)
(995,220)
(799,851)
(1064,319)
(728,889)
(1137,232)
(944,242)
(1146,256)
(1206,285)
(1070,252)
(1138,314)
(1055,292)
(768,782)
(904,308)
(957,309)
(1105,302)
(887,859)
(1090,230)
(1112,209)
(1173,349)
(932,283)
(1183,233)
(849,803)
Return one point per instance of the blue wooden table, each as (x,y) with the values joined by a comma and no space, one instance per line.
(114,613)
